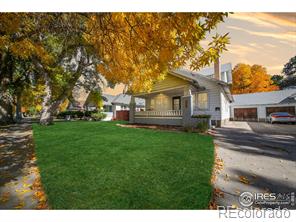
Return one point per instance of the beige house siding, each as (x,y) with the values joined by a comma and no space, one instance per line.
(170,81)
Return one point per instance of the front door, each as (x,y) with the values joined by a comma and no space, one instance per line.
(176,103)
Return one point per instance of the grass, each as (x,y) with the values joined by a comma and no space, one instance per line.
(98,165)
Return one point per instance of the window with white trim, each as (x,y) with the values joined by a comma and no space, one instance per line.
(201,101)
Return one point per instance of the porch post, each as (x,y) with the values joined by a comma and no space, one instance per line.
(187,107)
(132,110)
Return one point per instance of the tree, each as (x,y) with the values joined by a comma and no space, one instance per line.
(131,48)
(250,79)
(289,72)
(290,67)
(96,99)
(277,79)
(139,48)
(16,50)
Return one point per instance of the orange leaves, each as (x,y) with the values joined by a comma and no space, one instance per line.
(250,79)
(137,48)
(39,194)
(244,180)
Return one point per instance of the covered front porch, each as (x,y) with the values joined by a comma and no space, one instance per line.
(164,107)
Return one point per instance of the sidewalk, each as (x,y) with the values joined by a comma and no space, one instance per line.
(20,186)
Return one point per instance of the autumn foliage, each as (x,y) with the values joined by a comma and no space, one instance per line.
(251,79)
(56,50)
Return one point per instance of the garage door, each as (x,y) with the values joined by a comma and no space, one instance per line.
(245,114)
(288,109)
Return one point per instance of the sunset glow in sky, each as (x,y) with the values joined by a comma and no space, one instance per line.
(267,39)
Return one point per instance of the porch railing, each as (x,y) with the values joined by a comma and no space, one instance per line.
(166,113)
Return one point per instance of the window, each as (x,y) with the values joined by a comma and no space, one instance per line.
(177,103)
(201,101)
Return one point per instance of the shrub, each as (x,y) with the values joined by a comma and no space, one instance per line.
(98,116)
(203,122)
(89,113)
(73,114)
(202,126)
(202,116)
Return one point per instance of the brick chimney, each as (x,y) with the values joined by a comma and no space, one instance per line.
(217,69)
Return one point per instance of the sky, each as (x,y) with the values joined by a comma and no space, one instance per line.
(267,39)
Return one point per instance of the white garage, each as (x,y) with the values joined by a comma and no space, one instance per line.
(257,106)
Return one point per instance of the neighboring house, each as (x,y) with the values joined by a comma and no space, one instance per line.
(111,104)
(107,102)
(257,106)
(182,94)
(122,102)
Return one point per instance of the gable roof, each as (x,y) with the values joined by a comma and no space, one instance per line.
(124,99)
(274,97)
(195,76)
(107,99)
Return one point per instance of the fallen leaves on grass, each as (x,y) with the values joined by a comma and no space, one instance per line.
(213,205)
(217,193)
(39,194)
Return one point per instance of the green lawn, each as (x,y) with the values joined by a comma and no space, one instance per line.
(98,165)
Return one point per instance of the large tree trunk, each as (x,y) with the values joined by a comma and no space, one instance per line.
(46,114)
(6,111)
(6,99)
(49,107)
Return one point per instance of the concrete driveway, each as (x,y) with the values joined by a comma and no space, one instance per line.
(254,160)
(277,129)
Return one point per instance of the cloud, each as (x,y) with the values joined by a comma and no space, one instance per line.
(255,45)
(283,36)
(268,20)
(249,17)
(275,69)
(280,19)
(240,50)
(270,45)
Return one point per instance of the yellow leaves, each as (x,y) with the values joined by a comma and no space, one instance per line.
(26,49)
(138,48)
(23,48)
(38,107)
(4,197)
(10,22)
(39,194)
(244,180)
(64,105)
(22,191)
(20,205)
(4,42)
